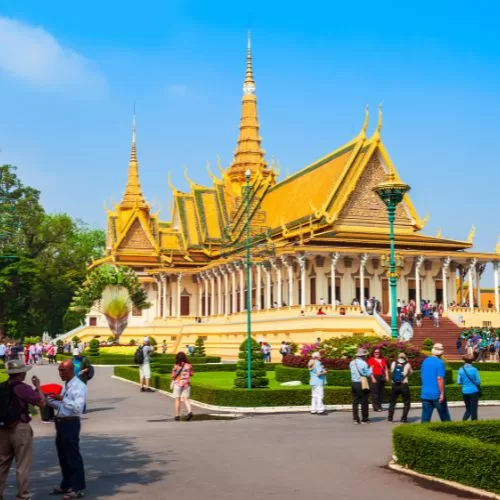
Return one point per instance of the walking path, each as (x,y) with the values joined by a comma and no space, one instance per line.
(133,448)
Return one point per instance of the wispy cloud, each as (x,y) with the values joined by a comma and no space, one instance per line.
(177,90)
(32,54)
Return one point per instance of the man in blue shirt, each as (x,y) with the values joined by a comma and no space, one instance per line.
(433,374)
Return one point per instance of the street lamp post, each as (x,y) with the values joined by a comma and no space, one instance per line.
(249,291)
(391,192)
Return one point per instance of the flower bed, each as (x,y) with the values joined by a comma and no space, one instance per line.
(466,452)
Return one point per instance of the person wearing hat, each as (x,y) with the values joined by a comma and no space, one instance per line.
(360,387)
(317,381)
(145,366)
(433,375)
(16,435)
(400,371)
(81,366)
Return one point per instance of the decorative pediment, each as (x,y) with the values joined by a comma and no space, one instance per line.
(136,238)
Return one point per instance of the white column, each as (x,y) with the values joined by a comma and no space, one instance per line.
(418,265)
(241,270)
(219,292)
(362,263)
(267,270)
(173,299)
(200,296)
(258,287)
(446,265)
(478,285)
(163,278)
(472,266)
(233,288)
(158,296)
(333,278)
(495,279)
(302,264)
(290,284)
(205,282)
(226,291)
(276,265)
(212,294)
(179,290)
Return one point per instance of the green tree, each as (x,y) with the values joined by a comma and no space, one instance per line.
(259,379)
(200,347)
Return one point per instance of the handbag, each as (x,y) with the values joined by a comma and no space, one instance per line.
(365,386)
(174,378)
(478,387)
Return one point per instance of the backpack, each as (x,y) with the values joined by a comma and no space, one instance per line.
(398,374)
(10,410)
(139,356)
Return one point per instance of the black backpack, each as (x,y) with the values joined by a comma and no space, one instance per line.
(139,356)
(10,409)
(398,374)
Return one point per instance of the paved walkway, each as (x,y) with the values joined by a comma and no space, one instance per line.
(133,449)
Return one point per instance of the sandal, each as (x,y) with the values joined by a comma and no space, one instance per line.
(58,491)
(73,494)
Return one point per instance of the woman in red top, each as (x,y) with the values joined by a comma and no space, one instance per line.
(380,375)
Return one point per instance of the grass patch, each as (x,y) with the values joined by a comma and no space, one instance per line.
(222,380)
(487,377)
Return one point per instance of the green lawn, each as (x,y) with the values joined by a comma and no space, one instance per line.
(225,380)
(487,378)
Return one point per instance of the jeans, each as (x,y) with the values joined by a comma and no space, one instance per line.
(318,393)
(68,452)
(471,403)
(359,398)
(428,407)
(404,391)
(377,390)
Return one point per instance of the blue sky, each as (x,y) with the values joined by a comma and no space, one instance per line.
(69,75)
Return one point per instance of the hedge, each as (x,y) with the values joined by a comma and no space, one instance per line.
(299,396)
(128,359)
(482,367)
(338,377)
(466,452)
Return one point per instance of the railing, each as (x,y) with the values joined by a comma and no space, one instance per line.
(385,326)
(482,310)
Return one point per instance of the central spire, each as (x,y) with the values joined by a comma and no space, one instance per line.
(249,154)
(133,196)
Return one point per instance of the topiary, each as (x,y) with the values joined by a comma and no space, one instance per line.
(258,370)
(152,341)
(93,349)
(200,347)
(428,343)
(132,342)
(75,339)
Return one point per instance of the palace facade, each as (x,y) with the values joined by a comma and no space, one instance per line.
(320,236)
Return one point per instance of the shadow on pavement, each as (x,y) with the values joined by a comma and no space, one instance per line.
(111,464)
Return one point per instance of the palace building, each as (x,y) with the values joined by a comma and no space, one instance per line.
(318,237)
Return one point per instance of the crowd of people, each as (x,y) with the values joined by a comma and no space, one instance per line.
(482,344)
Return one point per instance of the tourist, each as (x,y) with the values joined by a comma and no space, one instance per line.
(3,351)
(418,318)
(164,347)
(378,378)
(400,371)
(497,349)
(81,366)
(68,407)
(433,375)
(145,365)
(16,435)
(435,315)
(398,307)
(283,350)
(360,371)
(266,351)
(321,312)
(317,379)
(51,354)
(321,301)
(181,385)
(32,354)
(39,353)
(459,345)
(468,378)
(490,304)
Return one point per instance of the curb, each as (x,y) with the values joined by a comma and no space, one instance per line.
(291,409)
(452,484)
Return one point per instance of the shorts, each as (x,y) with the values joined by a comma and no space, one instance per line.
(182,392)
(145,370)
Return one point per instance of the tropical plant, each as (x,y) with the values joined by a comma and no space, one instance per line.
(200,347)
(116,306)
(93,349)
(258,369)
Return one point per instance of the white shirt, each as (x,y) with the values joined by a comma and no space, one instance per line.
(74,399)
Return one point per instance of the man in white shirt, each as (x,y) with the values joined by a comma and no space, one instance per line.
(145,366)
(68,407)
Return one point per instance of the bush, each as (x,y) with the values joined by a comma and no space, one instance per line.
(257,367)
(132,342)
(93,349)
(427,344)
(31,340)
(466,452)
(200,347)
(482,367)
(152,341)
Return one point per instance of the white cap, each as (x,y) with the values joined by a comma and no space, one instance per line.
(76,351)
(146,339)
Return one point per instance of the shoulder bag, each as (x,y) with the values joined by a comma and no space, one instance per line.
(174,378)
(478,387)
(365,386)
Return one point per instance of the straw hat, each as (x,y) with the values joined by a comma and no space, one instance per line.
(15,366)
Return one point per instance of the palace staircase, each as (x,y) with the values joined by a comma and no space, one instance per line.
(446,334)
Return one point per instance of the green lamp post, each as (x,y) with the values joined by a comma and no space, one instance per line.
(391,192)
(249,289)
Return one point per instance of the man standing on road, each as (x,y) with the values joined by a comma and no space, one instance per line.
(3,351)
(145,366)
(69,406)
(433,374)
(16,435)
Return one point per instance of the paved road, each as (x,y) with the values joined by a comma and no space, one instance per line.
(133,449)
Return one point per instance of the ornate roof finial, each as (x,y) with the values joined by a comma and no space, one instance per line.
(439,233)
(497,248)
(365,123)
(472,233)
(379,123)
(133,193)
(170,185)
(249,85)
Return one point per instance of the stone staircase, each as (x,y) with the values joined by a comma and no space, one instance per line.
(446,334)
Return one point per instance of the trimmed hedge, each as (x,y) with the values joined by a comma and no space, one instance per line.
(128,359)
(338,377)
(466,452)
(299,396)
(482,367)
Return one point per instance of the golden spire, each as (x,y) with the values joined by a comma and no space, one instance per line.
(249,154)
(133,196)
